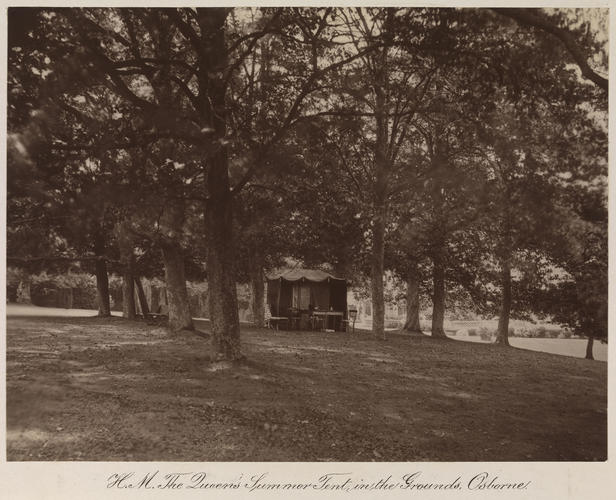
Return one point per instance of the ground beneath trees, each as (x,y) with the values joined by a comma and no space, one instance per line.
(115,390)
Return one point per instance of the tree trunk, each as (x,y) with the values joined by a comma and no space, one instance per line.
(175,280)
(102,288)
(127,257)
(439,167)
(377,288)
(178,308)
(224,315)
(258,296)
(102,276)
(381,175)
(438,295)
(589,346)
(173,217)
(412,324)
(128,295)
(502,333)
(143,301)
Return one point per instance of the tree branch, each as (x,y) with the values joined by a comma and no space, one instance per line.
(143,61)
(527,17)
(60,258)
(186,29)
(256,36)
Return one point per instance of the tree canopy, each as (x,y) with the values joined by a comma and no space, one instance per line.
(464,150)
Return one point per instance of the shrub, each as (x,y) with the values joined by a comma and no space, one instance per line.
(393,323)
(485,334)
(70,290)
(13,278)
(115,292)
(552,334)
(244,297)
(472,332)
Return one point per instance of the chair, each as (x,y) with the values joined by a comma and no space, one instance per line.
(272,322)
(316,322)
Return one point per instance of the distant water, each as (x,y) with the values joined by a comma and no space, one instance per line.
(565,347)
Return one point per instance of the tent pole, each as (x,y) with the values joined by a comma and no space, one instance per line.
(279,290)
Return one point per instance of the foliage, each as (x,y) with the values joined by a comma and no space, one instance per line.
(367,141)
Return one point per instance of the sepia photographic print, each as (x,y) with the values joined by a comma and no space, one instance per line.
(349,234)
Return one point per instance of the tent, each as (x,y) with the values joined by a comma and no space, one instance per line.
(300,292)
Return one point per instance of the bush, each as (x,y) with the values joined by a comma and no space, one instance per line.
(485,334)
(71,290)
(115,292)
(472,332)
(13,277)
(393,323)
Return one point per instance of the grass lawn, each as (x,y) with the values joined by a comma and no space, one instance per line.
(115,390)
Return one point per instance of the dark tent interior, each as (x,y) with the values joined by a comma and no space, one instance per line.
(305,294)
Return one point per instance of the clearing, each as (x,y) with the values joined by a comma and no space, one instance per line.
(117,390)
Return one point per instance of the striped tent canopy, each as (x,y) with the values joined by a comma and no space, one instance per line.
(314,275)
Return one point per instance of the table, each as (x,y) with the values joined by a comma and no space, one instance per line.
(329,314)
(294,322)
(274,321)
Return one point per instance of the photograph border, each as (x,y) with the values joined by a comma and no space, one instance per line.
(547,480)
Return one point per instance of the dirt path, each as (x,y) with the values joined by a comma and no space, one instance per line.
(94,389)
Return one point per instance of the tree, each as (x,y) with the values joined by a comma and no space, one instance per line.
(516,169)
(173,124)
(385,86)
(261,218)
(577,294)
(526,147)
(55,200)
